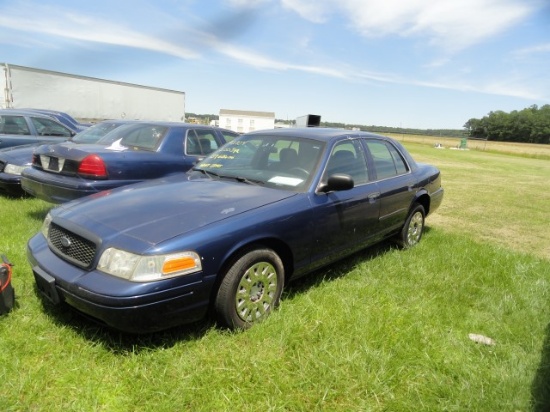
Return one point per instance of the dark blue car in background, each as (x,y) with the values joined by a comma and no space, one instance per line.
(266,208)
(62,117)
(132,153)
(22,127)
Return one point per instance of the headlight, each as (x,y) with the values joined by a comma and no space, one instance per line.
(14,169)
(46,225)
(139,268)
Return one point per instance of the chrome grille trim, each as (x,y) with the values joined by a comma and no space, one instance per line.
(71,247)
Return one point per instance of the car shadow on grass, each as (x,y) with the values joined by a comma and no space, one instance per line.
(340,268)
(120,343)
(336,270)
(40,215)
(15,195)
(540,388)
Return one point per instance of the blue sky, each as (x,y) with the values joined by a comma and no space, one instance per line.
(397,63)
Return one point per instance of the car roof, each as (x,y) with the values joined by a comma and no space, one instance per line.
(116,121)
(50,112)
(37,113)
(177,124)
(318,133)
(19,112)
(172,124)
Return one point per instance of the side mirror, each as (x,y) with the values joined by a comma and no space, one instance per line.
(337,182)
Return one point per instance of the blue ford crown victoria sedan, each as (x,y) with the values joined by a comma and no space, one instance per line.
(132,153)
(264,209)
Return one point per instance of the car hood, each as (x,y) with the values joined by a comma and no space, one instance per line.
(161,209)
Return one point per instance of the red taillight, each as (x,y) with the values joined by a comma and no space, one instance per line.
(36,159)
(93,166)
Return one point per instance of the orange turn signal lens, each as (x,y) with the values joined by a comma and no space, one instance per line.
(179,264)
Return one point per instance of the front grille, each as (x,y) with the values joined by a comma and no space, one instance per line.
(2,164)
(71,246)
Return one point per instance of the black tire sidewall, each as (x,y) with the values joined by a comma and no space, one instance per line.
(403,238)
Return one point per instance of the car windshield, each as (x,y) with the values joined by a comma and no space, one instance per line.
(274,161)
(144,136)
(93,133)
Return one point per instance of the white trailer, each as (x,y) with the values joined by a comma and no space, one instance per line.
(87,98)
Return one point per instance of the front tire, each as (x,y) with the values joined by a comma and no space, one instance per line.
(250,289)
(411,233)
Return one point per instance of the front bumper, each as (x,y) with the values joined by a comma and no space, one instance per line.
(11,184)
(123,305)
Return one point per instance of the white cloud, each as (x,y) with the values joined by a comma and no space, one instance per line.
(449,24)
(446,23)
(315,11)
(85,28)
(247,4)
(257,60)
(538,49)
(513,89)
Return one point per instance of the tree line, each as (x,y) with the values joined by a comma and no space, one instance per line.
(530,125)
(399,130)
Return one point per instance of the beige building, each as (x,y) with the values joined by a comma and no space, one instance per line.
(244,121)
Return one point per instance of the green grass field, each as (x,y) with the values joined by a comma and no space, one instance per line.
(385,330)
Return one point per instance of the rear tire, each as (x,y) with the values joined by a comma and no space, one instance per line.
(411,233)
(250,289)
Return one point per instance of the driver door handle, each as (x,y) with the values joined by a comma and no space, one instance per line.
(373,196)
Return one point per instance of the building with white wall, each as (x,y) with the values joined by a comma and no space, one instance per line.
(244,121)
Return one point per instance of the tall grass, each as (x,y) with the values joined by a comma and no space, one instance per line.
(493,197)
(385,330)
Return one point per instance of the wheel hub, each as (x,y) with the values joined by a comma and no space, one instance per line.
(415,229)
(256,291)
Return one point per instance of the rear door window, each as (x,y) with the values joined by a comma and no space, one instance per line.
(14,125)
(48,127)
(387,161)
(200,142)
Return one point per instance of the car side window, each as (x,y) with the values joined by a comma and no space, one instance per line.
(387,160)
(48,127)
(200,142)
(146,137)
(347,157)
(13,125)
(398,160)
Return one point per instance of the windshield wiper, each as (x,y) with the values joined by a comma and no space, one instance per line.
(249,181)
(207,173)
(237,178)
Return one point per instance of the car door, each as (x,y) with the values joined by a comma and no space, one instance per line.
(395,182)
(345,221)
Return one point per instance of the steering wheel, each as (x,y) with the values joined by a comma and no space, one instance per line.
(300,170)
